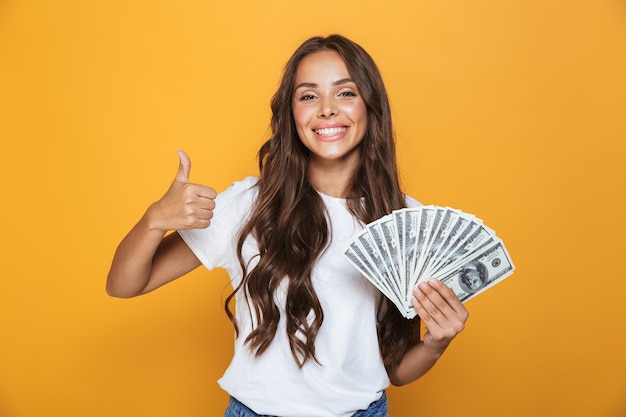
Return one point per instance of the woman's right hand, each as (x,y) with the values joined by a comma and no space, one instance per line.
(185,205)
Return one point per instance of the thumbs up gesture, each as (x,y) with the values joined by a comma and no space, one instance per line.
(185,205)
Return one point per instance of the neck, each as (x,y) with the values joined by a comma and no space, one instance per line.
(331,179)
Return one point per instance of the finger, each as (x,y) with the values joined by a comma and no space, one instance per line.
(440,306)
(184,168)
(198,215)
(425,307)
(432,304)
(447,294)
(198,218)
(204,192)
(439,328)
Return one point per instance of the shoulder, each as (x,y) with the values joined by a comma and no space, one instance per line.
(244,185)
(411,202)
(215,246)
(244,189)
(234,203)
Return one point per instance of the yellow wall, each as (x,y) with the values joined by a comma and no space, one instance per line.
(512,110)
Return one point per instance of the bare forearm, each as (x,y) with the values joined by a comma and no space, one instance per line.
(416,362)
(132,263)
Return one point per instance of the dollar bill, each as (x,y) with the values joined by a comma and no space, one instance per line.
(425,252)
(379,261)
(399,221)
(356,255)
(410,236)
(446,225)
(480,272)
(427,218)
(464,227)
(392,245)
(479,236)
(382,232)
(398,250)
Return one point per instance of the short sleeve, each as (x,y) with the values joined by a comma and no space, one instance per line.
(411,202)
(216,245)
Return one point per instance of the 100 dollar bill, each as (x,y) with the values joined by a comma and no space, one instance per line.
(485,269)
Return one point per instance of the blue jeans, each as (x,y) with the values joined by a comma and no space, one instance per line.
(376,409)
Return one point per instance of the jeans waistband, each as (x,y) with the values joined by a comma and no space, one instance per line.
(376,409)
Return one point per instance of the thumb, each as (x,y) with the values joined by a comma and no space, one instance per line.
(184,168)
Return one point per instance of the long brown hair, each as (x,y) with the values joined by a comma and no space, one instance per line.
(289,220)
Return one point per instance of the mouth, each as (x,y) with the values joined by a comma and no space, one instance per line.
(330,131)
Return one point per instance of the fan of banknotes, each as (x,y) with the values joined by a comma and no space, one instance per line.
(400,249)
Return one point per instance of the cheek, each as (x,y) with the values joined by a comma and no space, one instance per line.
(300,115)
(357,113)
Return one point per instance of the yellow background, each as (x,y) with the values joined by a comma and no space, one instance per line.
(511,110)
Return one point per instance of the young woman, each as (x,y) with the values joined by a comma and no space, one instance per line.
(314,338)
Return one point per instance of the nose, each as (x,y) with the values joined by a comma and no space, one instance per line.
(327,108)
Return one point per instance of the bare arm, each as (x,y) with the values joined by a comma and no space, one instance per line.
(146,259)
(444,316)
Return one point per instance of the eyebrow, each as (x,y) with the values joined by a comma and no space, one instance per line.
(313,85)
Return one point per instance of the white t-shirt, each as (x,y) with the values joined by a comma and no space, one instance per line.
(351,375)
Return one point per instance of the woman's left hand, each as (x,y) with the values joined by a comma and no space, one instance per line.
(441,311)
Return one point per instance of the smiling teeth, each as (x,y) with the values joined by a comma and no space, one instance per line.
(330,131)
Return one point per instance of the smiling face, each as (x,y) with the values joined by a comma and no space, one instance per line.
(329,112)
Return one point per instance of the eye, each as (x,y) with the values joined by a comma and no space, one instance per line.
(307,97)
(347,93)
